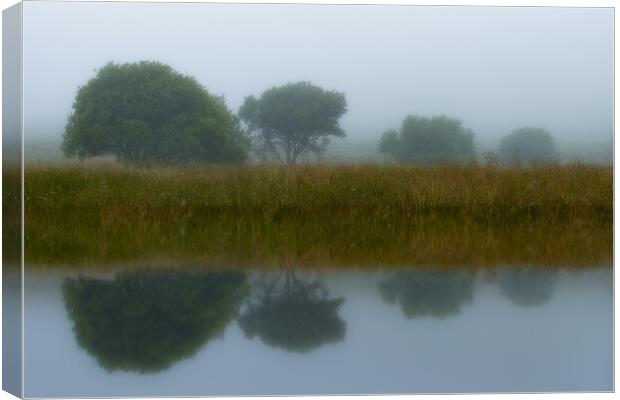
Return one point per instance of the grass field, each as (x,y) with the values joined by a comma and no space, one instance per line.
(318,216)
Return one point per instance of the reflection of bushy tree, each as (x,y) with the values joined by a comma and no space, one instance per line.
(145,320)
(293,314)
(428,293)
(526,287)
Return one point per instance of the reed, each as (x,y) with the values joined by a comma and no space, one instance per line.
(319,215)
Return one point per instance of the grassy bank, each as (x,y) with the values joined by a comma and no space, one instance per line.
(319,216)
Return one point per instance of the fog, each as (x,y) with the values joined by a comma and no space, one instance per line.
(495,68)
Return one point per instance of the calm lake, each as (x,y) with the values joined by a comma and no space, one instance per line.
(192,332)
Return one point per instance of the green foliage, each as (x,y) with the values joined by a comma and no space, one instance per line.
(436,140)
(428,293)
(527,287)
(528,146)
(295,315)
(148,113)
(144,321)
(390,143)
(293,120)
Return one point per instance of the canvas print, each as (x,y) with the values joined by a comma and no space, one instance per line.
(217,199)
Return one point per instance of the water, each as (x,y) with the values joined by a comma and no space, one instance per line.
(191,333)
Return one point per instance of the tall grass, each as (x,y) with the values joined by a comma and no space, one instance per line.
(319,215)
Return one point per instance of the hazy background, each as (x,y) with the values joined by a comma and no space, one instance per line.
(495,68)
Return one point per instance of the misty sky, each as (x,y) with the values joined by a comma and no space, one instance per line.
(495,68)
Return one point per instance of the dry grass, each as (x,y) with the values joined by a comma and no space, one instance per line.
(268,216)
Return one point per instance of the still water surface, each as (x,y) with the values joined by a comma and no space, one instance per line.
(196,333)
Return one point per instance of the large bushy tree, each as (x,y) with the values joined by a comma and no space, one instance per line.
(527,145)
(293,120)
(144,321)
(423,140)
(146,112)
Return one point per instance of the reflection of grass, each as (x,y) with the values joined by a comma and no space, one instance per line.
(320,215)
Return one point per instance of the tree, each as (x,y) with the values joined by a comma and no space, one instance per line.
(527,146)
(146,112)
(293,314)
(293,120)
(144,321)
(389,142)
(428,293)
(423,140)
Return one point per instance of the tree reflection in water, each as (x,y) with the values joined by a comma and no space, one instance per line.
(425,292)
(292,313)
(526,287)
(144,321)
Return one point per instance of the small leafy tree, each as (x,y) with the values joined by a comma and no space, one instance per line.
(146,112)
(423,140)
(528,146)
(293,120)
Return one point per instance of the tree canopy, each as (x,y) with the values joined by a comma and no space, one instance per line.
(423,140)
(146,112)
(527,145)
(293,314)
(293,120)
(143,321)
(428,293)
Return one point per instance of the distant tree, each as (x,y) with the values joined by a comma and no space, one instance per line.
(527,146)
(293,314)
(428,293)
(491,158)
(293,120)
(422,140)
(390,143)
(146,112)
(527,287)
(143,321)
